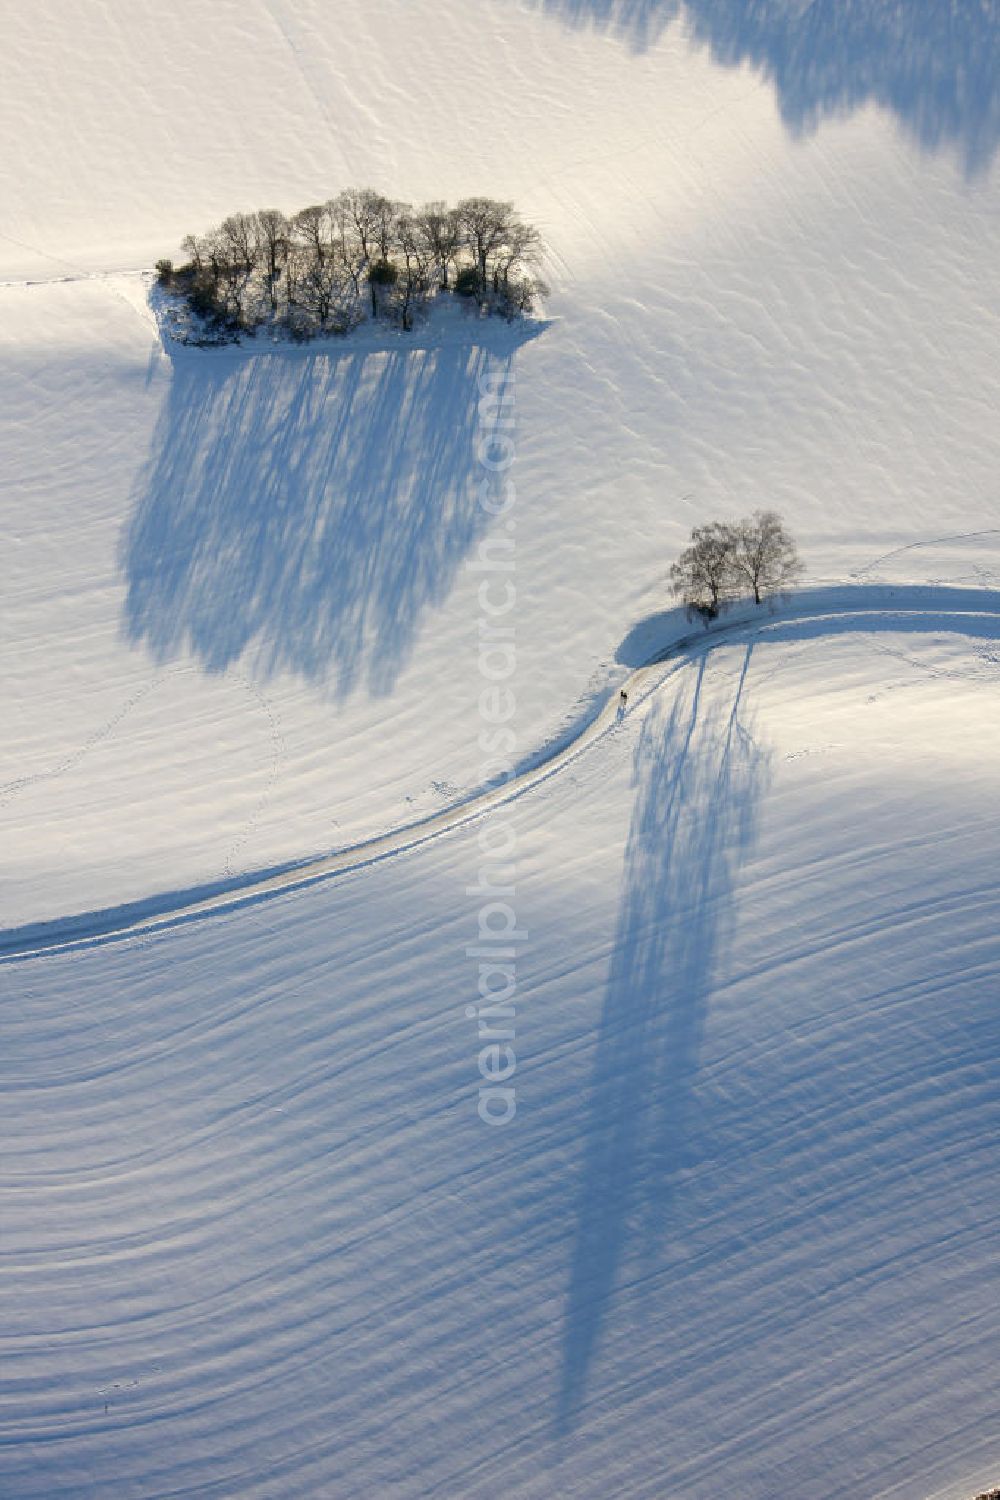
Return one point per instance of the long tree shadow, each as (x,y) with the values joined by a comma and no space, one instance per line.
(699,776)
(934,63)
(305,509)
(640,23)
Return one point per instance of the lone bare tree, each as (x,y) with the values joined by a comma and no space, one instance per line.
(764,556)
(702,576)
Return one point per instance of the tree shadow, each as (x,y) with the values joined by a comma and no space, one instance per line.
(699,776)
(654,634)
(639,23)
(304,509)
(935,65)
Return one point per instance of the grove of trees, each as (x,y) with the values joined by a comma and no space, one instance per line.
(360,255)
(729,559)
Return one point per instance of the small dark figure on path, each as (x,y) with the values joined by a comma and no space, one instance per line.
(622,701)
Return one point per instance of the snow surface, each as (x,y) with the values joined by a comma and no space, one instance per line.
(255,1239)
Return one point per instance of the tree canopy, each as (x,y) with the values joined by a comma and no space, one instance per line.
(359,255)
(726,559)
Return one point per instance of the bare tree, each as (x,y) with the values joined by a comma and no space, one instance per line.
(194,248)
(206,258)
(324,291)
(418,265)
(519,294)
(366,211)
(703,574)
(272,231)
(345,240)
(438,228)
(312,228)
(521,249)
(764,555)
(376,220)
(199,277)
(486,224)
(238,255)
(387,213)
(514,288)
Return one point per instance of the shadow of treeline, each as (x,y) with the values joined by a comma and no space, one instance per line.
(699,776)
(934,63)
(305,509)
(639,23)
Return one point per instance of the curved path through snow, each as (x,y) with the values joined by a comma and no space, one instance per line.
(807,615)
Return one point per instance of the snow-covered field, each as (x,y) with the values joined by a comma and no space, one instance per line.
(254,1238)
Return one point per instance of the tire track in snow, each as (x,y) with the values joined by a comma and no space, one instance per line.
(104,278)
(861,575)
(168,909)
(12,789)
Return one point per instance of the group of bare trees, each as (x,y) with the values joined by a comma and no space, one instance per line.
(728,559)
(359,255)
